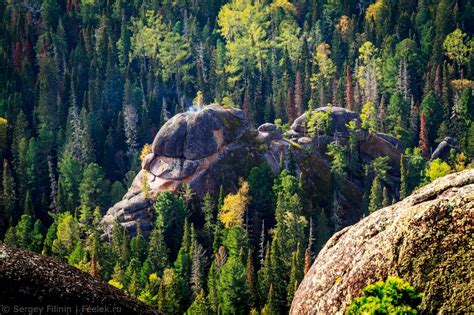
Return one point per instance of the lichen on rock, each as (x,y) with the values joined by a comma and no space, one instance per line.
(427,239)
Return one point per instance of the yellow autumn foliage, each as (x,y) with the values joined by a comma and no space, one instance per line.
(145,151)
(234,207)
(373,11)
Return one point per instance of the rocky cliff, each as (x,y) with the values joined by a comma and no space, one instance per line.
(427,239)
(30,280)
(215,146)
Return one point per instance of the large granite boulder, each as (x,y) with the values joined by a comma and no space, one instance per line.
(51,286)
(340,117)
(214,147)
(427,239)
(206,149)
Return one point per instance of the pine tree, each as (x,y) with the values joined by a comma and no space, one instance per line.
(23,231)
(212,280)
(386,198)
(209,215)
(232,286)
(94,188)
(70,176)
(290,106)
(138,245)
(36,237)
(49,239)
(376,195)
(200,305)
(299,94)
(349,89)
(10,237)
(197,269)
(403,178)
(296,275)
(250,280)
(77,254)
(8,197)
(67,235)
(157,251)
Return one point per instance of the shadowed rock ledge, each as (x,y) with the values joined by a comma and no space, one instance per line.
(427,239)
(28,279)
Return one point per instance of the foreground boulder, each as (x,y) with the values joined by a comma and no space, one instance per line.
(214,147)
(427,239)
(30,280)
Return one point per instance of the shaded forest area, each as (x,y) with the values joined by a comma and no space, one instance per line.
(86,84)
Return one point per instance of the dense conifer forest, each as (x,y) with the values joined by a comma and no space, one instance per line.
(85,85)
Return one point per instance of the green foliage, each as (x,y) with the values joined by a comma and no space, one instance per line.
(339,162)
(70,176)
(231,286)
(437,169)
(458,47)
(369,117)
(76,106)
(67,235)
(376,195)
(23,231)
(170,213)
(393,296)
(412,171)
(318,122)
(36,244)
(94,188)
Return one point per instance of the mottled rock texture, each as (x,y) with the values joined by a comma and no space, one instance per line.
(214,146)
(27,279)
(427,239)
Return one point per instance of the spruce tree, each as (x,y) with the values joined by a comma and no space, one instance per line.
(376,195)
(23,231)
(37,237)
(250,280)
(8,197)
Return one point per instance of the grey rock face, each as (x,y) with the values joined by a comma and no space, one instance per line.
(176,169)
(194,148)
(339,118)
(425,239)
(443,150)
(215,146)
(268,132)
(171,137)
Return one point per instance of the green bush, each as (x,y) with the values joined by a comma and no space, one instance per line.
(394,296)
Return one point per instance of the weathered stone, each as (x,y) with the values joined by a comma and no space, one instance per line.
(266,127)
(426,239)
(340,117)
(200,140)
(31,280)
(147,161)
(443,150)
(215,147)
(170,139)
(176,168)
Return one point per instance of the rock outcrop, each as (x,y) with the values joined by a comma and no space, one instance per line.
(427,239)
(443,150)
(206,149)
(30,280)
(213,147)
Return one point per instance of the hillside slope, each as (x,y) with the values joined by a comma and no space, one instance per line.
(426,239)
(27,279)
